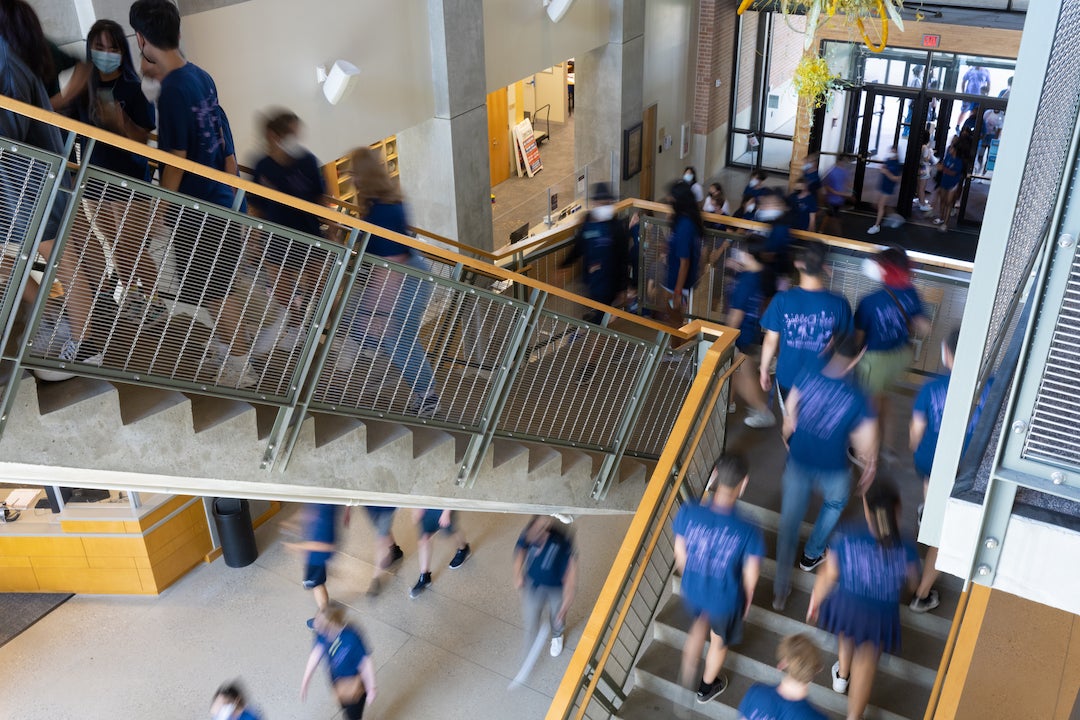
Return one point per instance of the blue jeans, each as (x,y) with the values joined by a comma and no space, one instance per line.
(796,484)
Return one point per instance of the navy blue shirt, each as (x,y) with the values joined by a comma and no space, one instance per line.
(930,404)
(302,179)
(683,244)
(748,295)
(829,409)
(879,316)
(868,569)
(128,95)
(190,119)
(546,564)
(344,653)
(887,186)
(954,164)
(718,545)
(806,321)
(763,702)
(804,207)
(813,181)
(392,217)
(321,526)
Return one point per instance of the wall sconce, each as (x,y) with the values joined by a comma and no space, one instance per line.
(337,83)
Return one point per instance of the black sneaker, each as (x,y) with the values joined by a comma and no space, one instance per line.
(707,692)
(460,557)
(808,563)
(926,604)
(420,586)
(393,558)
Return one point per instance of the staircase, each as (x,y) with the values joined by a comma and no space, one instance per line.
(902,685)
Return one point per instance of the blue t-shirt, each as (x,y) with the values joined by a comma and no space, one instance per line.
(930,403)
(128,95)
(392,217)
(602,247)
(804,207)
(546,564)
(879,316)
(748,295)
(302,179)
(343,653)
(190,119)
(813,181)
(806,321)
(887,186)
(868,569)
(956,165)
(836,183)
(683,244)
(829,410)
(321,526)
(763,702)
(247,714)
(718,544)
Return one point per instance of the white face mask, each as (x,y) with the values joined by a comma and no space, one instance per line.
(292,147)
(750,207)
(225,712)
(768,215)
(754,183)
(871,270)
(688,178)
(151,88)
(603,213)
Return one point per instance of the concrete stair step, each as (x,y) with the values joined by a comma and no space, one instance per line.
(509,456)
(432,440)
(384,436)
(89,393)
(642,704)
(326,428)
(140,402)
(208,413)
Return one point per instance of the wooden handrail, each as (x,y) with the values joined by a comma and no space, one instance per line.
(330,216)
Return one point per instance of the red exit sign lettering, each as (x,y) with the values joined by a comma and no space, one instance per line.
(931,41)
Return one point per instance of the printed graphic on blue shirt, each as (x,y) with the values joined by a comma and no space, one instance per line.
(718,544)
(869,569)
(806,321)
(344,653)
(930,404)
(878,315)
(829,409)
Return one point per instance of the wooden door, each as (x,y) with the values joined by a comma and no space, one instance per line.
(499,150)
(648,152)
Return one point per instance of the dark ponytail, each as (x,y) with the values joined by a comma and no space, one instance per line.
(883,509)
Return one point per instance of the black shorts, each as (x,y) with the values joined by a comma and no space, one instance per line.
(728,627)
(355,711)
(314,576)
(429,523)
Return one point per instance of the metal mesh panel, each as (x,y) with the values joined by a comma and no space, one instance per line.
(575,384)
(662,403)
(162,289)
(712,442)
(415,346)
(1056,417)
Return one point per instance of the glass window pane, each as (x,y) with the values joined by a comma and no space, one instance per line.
(744,77)
(744,149)
(776,154)
(785,51)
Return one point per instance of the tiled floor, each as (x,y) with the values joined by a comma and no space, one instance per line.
(449,654)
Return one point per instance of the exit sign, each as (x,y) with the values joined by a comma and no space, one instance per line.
(931,41)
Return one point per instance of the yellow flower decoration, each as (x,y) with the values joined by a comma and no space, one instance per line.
(813,80)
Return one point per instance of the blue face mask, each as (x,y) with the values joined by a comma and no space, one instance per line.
(106,62)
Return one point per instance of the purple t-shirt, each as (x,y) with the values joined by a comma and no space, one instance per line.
(718,544)
(879,316)
(829,410)
(763,702)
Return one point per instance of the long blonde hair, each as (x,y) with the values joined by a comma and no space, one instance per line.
(371,179)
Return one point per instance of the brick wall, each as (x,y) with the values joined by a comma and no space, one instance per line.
(715,53)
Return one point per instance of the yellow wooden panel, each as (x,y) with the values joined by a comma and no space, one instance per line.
(19,579)
(174,567)
(59,562)
(94,526)
(14,561)
(114,547)
(41,546)
(146,579)
(169,507)
(112,563)
(132,526)
(143,563)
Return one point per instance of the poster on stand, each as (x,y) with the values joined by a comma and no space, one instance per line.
(526,144)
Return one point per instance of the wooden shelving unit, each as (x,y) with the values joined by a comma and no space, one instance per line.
(341,187)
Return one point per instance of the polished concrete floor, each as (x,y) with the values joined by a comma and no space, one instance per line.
(451,653)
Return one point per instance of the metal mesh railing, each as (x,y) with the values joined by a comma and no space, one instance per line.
(413,344)
(674,375)
(160,288)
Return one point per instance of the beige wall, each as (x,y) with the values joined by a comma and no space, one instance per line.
(520,39)
(263,54)
(550,90)
(667,81)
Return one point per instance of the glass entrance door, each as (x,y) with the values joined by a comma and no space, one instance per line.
(886,118)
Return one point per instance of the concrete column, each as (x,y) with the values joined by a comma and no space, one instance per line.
(444,162)
(608,100)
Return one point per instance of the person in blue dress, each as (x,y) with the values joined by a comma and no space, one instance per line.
(352,672)
(825,414)
(754,284)
(952,172)
(891,171)
(924,431)
(800,322)
(229,703)
(885,320)
(857,594)
(683,251)
(799,660)
(718,552)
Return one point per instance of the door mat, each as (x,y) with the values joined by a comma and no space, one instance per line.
(18,611)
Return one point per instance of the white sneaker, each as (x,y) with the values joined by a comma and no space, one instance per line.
(874,230)
(236,372)
(556,646)
(759,419)
(839,684)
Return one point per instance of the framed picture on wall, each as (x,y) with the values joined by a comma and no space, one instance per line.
(684,141)
(632,151)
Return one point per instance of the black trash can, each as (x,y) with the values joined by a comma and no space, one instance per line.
(233,519)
